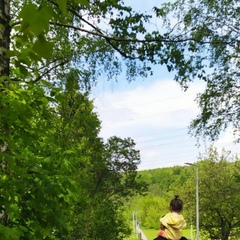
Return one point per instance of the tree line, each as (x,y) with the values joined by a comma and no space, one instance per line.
(218,188)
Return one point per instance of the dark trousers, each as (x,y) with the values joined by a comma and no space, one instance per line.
(163,238)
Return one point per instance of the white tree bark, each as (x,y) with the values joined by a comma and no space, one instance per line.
(5,30)
(4,37)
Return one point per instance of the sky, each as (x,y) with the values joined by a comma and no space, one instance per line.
(156,113)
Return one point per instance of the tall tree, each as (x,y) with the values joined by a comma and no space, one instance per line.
(26,181)
(207,37)
(218,195)
(103,174)
(204,44)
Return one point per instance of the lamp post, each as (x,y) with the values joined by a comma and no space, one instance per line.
(197,200)
(133,220)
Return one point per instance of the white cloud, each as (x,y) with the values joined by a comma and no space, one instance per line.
(226,142)
(162,104)
(156,115)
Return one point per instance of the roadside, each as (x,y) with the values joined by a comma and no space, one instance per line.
(141,235)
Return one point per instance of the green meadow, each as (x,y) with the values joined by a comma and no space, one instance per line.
(152,233)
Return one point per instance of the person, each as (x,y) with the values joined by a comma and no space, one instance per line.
(172,224)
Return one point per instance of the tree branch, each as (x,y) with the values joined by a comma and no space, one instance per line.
(136,40)
(49,70)
(100,32)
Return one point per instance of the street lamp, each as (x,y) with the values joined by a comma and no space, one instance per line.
(197,200)
(133,220)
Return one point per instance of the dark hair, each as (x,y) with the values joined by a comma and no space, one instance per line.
(176,204)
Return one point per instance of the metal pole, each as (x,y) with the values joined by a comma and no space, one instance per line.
(136,223)
(134,229)
(191,230)
(197,206)
(134,219)
(197,200)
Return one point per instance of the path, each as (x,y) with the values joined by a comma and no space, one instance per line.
(141,233)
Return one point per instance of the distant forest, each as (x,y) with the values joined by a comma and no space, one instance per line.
(219,194)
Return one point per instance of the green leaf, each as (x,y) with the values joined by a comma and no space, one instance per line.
(28,11)
(23,70)
(83,2)
(63,6)
(7,233)
(35,19)
(40,22)
(11,53)
(43,48)
(34,169)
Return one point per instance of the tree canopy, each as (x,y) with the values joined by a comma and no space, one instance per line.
(218,187)
(218,195)
(207,37)
(59,180)
(199,40)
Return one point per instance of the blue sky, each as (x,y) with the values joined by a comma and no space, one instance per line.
(156,113)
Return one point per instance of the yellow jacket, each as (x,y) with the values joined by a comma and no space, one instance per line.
(173,223)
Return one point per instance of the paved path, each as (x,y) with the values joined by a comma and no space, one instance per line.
(143,237)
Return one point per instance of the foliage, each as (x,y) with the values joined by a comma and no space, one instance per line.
(218,194)
(26,185)
(48,36)
(57,175)
(56,171)
(59,180)
(165,181)
(104,173)
(207,48)
(152,209)
(163,184)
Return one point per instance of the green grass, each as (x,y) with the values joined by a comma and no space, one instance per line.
(132,237)
(152,233)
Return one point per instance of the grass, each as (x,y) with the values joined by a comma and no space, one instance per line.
(152,233)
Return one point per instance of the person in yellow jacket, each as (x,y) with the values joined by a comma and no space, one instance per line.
(173,222)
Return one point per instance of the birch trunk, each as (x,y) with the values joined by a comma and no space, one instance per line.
(4,37)
(5,30)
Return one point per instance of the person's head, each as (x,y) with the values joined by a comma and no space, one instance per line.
(176,205)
